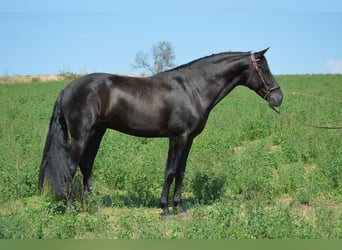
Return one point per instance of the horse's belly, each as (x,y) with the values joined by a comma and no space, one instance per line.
(134,122)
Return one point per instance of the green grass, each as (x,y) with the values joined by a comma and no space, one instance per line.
(251,174)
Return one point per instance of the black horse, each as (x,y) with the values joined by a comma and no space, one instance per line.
(175,104)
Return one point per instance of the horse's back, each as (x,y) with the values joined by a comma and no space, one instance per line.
(86,82)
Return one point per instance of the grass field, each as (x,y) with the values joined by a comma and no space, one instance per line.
(251,174)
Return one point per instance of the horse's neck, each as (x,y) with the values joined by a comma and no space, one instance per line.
(219,82)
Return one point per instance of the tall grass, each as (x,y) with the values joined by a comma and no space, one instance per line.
(250,174)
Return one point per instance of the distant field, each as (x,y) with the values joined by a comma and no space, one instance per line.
(251,174)
(29,79)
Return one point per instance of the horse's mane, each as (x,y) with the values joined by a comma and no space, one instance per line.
(214,58)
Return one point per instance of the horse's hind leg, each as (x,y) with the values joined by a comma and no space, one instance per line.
(77,148)
(88,157)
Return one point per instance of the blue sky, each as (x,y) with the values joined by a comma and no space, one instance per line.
(45,37)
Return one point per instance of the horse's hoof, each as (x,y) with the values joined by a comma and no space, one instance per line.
(88,189)
(70,201)
(167,217)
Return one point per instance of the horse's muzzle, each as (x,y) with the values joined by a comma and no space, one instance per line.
(275,98)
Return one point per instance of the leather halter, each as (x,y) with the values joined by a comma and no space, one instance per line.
(255,67)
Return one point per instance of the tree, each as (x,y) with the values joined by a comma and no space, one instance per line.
(163,56)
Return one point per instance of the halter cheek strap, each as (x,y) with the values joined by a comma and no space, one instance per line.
(255,67)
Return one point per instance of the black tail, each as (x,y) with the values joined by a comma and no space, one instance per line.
(54,166)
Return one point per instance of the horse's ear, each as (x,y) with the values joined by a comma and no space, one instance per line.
(261,53)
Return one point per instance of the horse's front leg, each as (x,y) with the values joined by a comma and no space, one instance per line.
(176,148)
(177,199)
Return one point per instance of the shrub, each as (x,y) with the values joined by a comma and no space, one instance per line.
(68,75)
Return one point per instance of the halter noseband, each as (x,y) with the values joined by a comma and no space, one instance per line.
(255,67)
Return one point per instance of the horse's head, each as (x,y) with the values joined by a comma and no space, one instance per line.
(262,81)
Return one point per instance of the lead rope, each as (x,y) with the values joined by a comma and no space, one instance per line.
(290,118)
